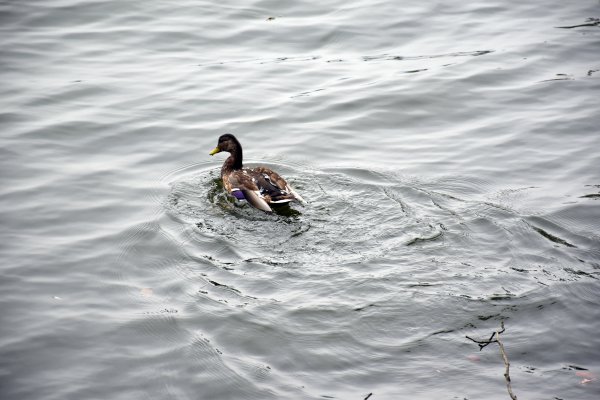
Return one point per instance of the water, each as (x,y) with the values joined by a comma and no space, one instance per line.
(448,153)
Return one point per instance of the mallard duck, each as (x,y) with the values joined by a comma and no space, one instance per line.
(260,186)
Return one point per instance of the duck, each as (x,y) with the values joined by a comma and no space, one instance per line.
(261,187)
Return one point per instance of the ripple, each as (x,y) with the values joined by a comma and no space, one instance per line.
(369,207)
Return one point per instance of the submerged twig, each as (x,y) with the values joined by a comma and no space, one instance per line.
(495,338)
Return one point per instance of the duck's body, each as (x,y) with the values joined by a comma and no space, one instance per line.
(260,186)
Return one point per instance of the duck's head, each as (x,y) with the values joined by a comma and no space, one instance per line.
(228,143)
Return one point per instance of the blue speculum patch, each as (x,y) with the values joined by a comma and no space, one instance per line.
(238,194)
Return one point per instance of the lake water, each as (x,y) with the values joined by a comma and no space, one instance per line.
(449,154)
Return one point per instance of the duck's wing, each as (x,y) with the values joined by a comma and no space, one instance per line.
(279,190)
(271,191)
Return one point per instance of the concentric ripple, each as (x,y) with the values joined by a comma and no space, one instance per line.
(357,217)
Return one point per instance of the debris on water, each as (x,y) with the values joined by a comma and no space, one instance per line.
(588,376)
(588,22)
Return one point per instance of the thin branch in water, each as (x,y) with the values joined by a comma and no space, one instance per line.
(483,343)
(495,338)
(506,365)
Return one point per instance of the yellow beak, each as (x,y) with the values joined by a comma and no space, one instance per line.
(215,151)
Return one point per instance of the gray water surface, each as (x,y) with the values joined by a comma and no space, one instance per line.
(448,153)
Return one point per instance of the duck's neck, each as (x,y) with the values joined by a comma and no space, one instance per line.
(234,161)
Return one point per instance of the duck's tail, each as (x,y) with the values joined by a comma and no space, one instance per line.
(295,194)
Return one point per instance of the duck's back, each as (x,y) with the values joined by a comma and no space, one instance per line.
(272,187)
(265,182)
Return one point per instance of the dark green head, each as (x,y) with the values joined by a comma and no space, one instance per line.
(231,145)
